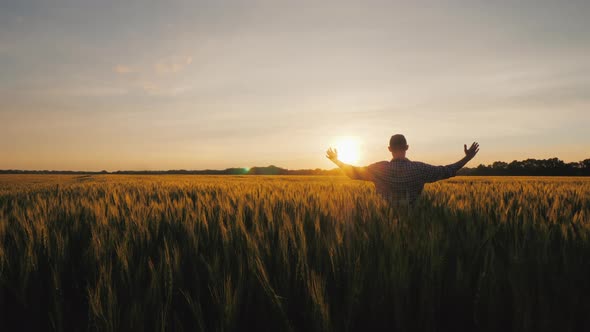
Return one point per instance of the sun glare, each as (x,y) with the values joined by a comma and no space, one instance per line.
(348,149)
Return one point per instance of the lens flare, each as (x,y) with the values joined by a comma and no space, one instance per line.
(348,149)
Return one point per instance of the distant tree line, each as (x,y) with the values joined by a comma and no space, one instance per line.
(19,171)
(269,170)
(532,167)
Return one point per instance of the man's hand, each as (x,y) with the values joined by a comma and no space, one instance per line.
(332,154)
(472,151)
(356,173)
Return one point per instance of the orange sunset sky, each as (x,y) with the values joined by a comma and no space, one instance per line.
(92,85)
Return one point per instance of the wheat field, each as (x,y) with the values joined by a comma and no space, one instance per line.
(271,253)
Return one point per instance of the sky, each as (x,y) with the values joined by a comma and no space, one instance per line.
(134,85)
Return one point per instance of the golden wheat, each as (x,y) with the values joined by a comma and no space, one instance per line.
(215,253)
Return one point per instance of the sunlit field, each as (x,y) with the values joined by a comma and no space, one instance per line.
(210,253)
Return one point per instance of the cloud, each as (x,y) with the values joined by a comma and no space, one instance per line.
(172,64)
(96,91)
(150,87)
(161,81)
(163,90)
(123,70)
(84,90)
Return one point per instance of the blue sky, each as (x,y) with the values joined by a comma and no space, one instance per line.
(112,85)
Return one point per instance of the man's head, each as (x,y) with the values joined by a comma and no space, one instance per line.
(398,146)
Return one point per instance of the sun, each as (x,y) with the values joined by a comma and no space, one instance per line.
(348,149)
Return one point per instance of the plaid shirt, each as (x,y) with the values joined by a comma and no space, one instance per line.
(402,180)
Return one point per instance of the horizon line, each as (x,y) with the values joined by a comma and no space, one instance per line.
(247,169)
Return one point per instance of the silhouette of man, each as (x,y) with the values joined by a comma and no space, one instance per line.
(400,180)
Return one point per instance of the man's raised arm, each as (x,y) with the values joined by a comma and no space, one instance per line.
(353,172)
(436,173)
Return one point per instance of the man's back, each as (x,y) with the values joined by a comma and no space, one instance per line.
(402,180)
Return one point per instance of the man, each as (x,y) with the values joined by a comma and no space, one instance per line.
(402,180)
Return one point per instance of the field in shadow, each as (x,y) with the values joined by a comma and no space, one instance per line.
(112,253)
